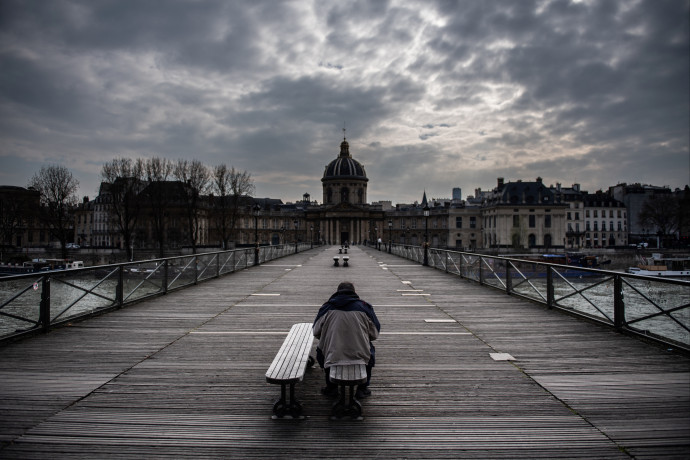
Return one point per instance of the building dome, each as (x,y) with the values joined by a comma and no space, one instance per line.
(344,167)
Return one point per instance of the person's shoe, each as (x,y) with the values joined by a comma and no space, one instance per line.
(330,390)
(362,392)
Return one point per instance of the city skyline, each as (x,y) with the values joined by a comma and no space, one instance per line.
(433,95)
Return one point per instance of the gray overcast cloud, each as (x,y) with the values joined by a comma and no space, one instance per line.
(434,94)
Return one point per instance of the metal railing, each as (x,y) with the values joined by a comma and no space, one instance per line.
(37,301)
(653,307)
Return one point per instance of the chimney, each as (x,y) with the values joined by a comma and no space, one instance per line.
(539,180)
(500,182)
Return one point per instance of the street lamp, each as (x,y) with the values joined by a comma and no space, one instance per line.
(257,211)
(426,234)
(390,235)
(311,237)
(296,222)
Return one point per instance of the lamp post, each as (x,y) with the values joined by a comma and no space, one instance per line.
(296,222)
(426,235)
(390,235)
(257,211)
(311,236)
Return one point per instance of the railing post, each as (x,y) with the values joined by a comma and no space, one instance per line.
(234,251)
(196,269)
(549,288)
(218,265)
(618,303)
(447,257)
(509,279)
(44,315)
(165,276)
(119,290)
(481,270)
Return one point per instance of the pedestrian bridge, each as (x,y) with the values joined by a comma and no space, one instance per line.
(462,371)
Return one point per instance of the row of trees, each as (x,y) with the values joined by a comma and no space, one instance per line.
(131,180)
(129,185)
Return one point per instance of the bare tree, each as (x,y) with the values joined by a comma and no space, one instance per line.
(125,177)
(661,212)
(195,177)
(58,189)
(158,171)
(229,185)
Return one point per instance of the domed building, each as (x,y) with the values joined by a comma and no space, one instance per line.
(345,215)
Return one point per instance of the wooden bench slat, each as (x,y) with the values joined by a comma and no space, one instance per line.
(291,360)
(356,373)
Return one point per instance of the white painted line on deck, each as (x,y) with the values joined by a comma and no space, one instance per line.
(501,357)
(425,333)
(265,295)
(244,304)
(416,294)
(405,305)
(406,282)
(440,321)
(240,332)
(409,290)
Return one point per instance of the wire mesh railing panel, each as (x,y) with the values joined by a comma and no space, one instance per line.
(20,301)
(529,280)
(493,271)
(656,308)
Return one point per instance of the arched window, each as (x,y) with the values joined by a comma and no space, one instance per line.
(344,195)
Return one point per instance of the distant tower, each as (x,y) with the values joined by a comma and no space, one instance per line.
(457,193)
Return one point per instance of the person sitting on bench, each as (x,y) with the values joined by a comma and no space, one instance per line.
(345,327)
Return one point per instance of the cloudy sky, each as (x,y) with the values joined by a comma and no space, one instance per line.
(433,94)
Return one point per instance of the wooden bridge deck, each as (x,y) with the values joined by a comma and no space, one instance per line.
(182,375)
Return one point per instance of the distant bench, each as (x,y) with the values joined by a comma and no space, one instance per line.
(347,376)
(288,368)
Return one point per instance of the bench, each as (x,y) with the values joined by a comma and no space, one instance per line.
(346,376)
(288,368)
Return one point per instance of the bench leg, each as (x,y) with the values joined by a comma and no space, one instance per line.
(350,408)
(282,407)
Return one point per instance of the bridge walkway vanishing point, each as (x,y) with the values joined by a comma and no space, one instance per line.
(182,375)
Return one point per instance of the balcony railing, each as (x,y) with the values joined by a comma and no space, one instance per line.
(653,307)
(37,301)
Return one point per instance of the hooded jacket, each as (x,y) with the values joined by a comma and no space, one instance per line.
(345,327)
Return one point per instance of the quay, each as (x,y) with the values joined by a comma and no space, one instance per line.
(462,371)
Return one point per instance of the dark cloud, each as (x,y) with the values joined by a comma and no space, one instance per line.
(454,93)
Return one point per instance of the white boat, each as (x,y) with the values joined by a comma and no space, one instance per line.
(667,267)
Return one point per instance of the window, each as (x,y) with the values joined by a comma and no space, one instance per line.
(619,226)
(596,225)
(577,216)
(532,221)
(458,243)
(473,222)
(619,213)
(402,224)
(603,225)
(516,221)
(414,223)
(586,212)
(596,213)
(569,216)
(547,221)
